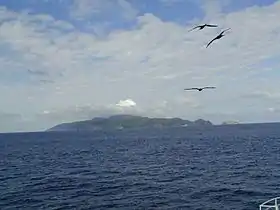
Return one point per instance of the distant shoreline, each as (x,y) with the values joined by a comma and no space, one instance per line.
(241,125)
(124,122)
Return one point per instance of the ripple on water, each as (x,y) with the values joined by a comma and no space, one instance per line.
(218,169)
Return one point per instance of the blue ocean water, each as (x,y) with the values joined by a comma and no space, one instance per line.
(220,167)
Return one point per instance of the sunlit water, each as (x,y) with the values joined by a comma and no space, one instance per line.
(224,167)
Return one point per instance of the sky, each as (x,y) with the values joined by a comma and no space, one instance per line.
(70,60)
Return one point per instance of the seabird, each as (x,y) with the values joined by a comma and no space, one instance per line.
(199,89)
(217,37)
(203,26)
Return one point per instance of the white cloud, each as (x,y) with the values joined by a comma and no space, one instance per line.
(85,9)
(271,109)
(170,2)
(151,63)
(263,95)
(126,103)
(129,12)
(213,8)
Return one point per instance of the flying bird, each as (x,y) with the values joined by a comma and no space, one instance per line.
(200,27)
(37,72)
(217,37)
(199,89)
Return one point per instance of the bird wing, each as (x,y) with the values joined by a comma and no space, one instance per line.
(225,30)
(209,25)
(191,89)
(211,41)
(208,87)
(194,28)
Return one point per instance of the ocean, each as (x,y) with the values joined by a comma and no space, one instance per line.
(219,167)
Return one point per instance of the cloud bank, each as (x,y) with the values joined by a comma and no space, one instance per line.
(54,71)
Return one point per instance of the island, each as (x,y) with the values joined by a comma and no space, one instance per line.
(230,122)
(121,122)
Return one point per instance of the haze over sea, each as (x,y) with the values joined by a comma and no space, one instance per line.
(219,167)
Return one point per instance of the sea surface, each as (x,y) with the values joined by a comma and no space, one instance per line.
(220,167)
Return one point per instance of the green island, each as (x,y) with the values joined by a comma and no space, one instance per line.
(120,122)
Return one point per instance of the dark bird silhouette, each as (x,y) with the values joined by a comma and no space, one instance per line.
(200,27)
(217,37)
(199,89)
(37,72)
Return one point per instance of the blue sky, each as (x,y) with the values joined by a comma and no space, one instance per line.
(180,11)
(67,60)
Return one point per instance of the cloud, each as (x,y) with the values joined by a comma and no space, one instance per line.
(126,103)
(151,63)
(170,2)
(262,95)
(11,122)
(213,8)
(271,109)
(86,9)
